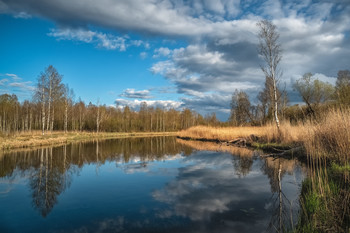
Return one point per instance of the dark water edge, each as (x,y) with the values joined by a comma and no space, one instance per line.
(157,184)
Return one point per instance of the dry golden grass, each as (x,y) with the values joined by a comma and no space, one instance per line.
(35,138)
(330,137)
(268,133)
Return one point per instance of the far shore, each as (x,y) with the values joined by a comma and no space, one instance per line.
(36,139)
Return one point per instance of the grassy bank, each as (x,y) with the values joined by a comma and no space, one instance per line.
(266,134)
(328,137)
(264,138)
(35,138)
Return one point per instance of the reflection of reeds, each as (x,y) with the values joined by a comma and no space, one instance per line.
(325,202)
(198,145)
(242,160)
(288,165)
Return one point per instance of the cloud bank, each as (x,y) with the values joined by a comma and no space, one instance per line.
(135,104)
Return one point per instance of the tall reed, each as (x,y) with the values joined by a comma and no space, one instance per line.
(325,197)
(330,137)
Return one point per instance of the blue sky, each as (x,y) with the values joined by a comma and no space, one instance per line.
(171,53)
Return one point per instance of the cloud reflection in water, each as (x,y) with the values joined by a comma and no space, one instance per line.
(210,190)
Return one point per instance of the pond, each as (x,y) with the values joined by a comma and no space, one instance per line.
(155,184)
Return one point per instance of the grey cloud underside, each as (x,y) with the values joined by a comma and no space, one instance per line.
(196,69)
(244,51)
(150,17)
(210,102)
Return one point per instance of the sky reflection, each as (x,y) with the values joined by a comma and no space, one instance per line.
(126,186)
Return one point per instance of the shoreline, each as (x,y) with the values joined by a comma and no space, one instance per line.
(280,150)
(36,139)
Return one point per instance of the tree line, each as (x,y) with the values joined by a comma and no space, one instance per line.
(53,107)
(317,95)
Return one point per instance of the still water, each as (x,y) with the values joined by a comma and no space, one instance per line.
(158,184)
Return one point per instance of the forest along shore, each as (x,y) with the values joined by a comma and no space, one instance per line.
(35,138)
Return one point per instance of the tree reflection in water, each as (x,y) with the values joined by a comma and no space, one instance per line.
(283,210)
(51,169)
(49,180)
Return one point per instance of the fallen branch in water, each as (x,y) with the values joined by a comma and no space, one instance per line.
(296,151)
(270,150)
(240,142)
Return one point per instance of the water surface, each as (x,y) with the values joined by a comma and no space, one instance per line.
(157,184)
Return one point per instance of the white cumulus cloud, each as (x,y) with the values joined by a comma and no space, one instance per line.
(132,93)
(135,104)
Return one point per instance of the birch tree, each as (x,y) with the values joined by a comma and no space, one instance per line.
(271,52)
(41,98)
(100,115)
(56,91)
(82,109)
(49,90)
(68,101)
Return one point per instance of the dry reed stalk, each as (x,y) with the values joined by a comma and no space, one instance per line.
(330,138)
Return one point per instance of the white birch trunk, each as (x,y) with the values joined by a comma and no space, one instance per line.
(276,104)
(49,107)
(66,116)
(98,120)
(43,111)
(80,123)
(52,118)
